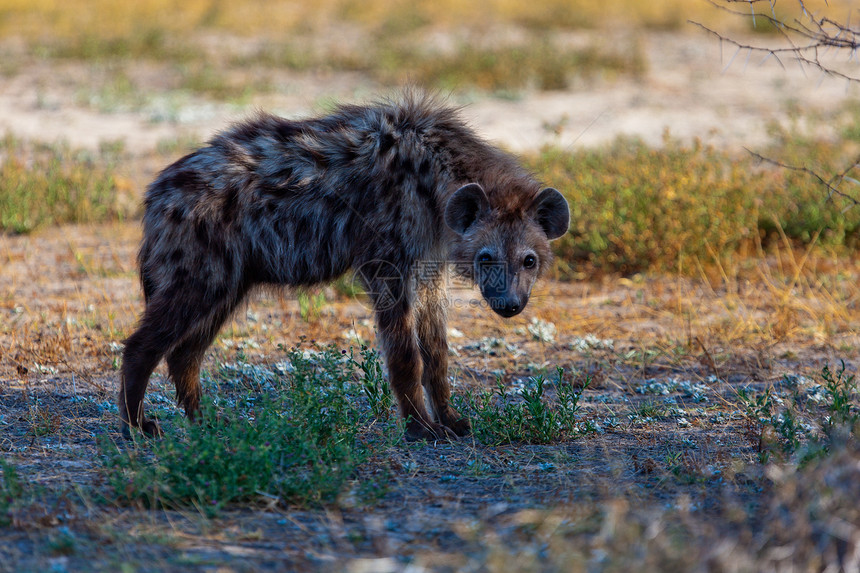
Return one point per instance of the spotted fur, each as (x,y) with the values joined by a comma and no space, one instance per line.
(273,201)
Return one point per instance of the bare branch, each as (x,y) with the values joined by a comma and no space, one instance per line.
(832,184)
(806,38)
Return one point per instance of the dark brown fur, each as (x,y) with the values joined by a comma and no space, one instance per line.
(384,189)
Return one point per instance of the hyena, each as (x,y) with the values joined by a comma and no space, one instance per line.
(381,189)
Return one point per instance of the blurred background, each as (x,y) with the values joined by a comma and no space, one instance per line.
(128,87)
(537,73)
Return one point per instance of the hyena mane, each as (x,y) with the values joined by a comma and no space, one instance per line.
(384,189)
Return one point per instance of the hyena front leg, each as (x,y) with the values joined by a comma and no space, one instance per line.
(395,320)
(433,340)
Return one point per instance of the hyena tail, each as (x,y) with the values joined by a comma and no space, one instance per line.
(148,286)
(146,282)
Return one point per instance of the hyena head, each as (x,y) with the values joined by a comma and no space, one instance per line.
(505,248)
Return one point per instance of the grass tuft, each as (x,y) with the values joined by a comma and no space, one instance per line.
(818,417)
(49,185)
(11,491)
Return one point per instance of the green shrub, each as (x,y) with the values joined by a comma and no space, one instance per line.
(637,208)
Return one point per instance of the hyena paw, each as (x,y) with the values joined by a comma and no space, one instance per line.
(148,427)
(417,430)
(151,428)
(460,425)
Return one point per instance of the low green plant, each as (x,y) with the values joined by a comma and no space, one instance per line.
(310,304)
(805,426)
(649,409)
(300,442)
(373,383)
(841,388)
(500,417)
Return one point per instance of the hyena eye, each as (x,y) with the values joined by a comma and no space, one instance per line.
(484,258)
(530,261)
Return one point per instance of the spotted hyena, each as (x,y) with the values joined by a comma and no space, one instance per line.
(383,189)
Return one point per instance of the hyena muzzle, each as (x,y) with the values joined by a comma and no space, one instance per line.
(385,189)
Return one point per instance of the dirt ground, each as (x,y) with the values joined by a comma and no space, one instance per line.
(68,296)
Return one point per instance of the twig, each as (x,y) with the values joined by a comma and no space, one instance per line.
(832,184)
(806,37)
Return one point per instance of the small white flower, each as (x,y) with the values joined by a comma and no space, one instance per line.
(591,342)
(542,330)
(45,369)
(352,335)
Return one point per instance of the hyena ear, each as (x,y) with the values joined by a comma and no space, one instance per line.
(552,213)
(464,206)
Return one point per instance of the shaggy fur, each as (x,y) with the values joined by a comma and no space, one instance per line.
(383,189)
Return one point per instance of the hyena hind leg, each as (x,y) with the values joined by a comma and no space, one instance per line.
(164,330)
(143,350)
(183,364)
(183,361)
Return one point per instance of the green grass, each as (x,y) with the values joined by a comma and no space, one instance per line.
(49,185)
(299,436)
(153,42)
(539,63)
(301,432)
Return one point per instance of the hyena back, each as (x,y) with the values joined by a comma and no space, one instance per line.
(383,189)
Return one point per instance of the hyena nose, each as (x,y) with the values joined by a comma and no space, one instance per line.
(510,307)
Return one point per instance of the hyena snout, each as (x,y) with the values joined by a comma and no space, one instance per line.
(504,299)
(508,306)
